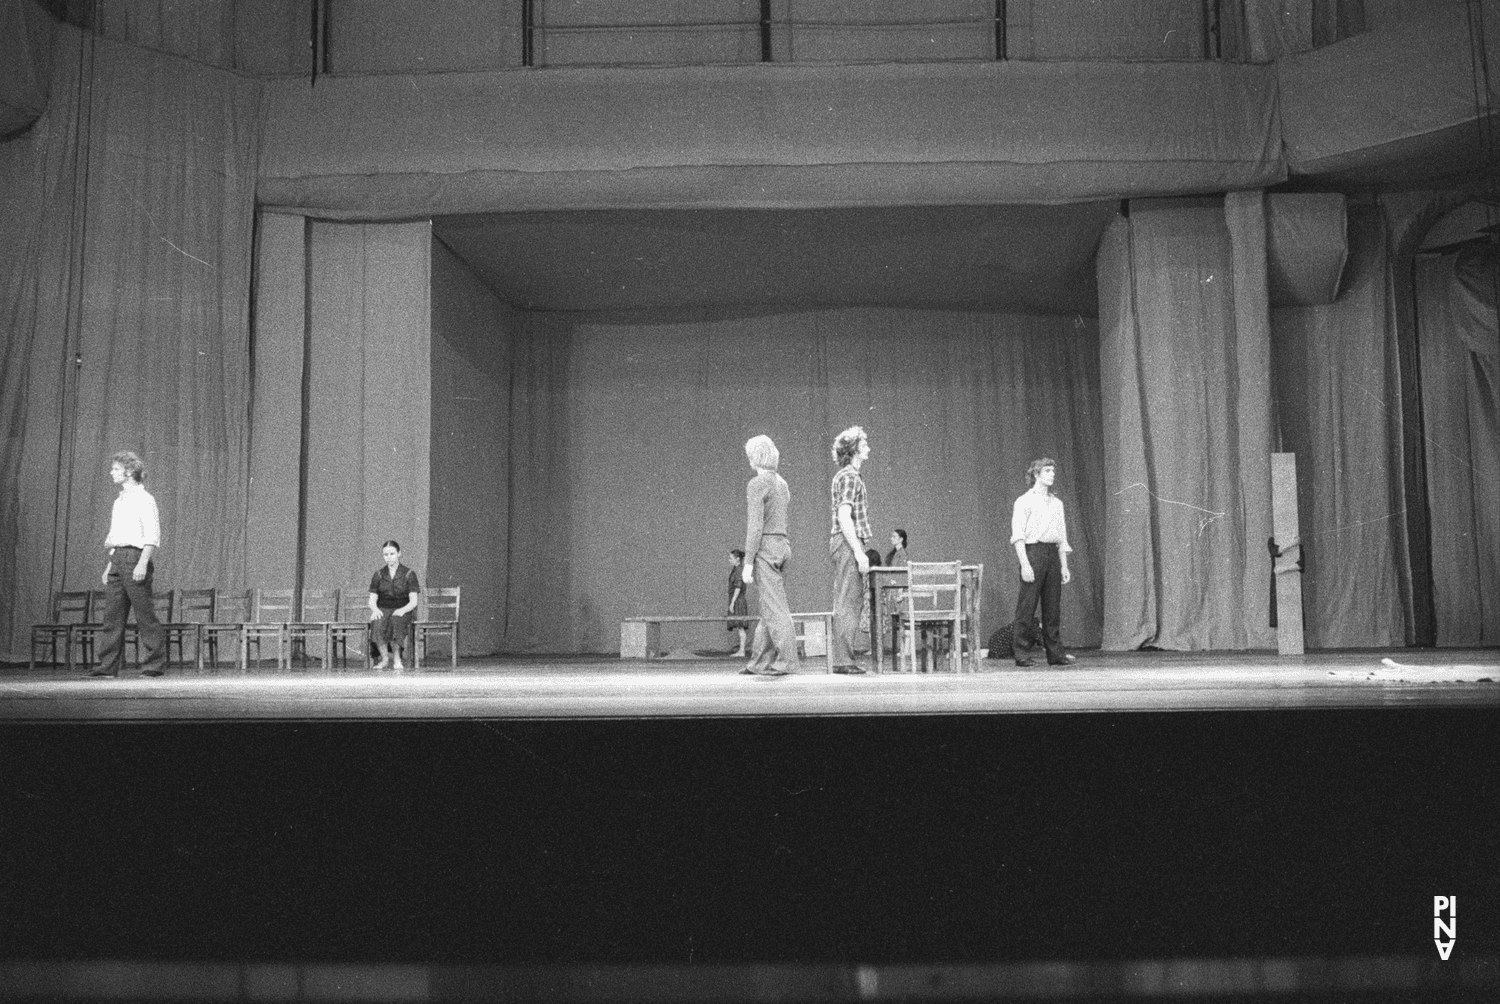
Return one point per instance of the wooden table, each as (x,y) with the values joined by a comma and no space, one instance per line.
(882,577)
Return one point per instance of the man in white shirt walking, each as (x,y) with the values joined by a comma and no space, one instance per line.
(1039,532)
(134,536)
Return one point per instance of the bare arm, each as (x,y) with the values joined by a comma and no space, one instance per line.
(846,526)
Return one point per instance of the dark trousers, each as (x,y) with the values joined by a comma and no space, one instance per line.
(1046,564)
(775,634)
(391,630)
(123,594)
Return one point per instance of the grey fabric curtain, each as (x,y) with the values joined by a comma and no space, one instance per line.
(1460,352)
(124,281)
(1184,347)
(1338,405)
(623,469)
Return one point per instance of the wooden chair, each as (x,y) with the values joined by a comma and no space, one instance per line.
(70,607)
(193,608)
(437,615)
(271,610)
(316,614)
(231,609)
(934,597)
(350,628)
(85,635)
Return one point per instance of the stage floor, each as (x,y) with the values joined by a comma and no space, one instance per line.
(581,687)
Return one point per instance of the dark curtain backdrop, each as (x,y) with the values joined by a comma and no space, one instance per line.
(127,214)
(620,455)
(1460,352)
(1338,405)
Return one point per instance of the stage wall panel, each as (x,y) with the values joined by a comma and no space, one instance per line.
(473,343)
(627,468)
(368,410)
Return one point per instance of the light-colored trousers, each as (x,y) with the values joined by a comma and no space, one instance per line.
(775,634)
(848,600)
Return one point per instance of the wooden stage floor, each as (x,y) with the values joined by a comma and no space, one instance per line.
(581,687)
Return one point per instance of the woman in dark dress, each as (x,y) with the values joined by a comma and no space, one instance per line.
(394,593)
(738,606)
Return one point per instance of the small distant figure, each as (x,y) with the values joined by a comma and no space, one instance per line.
(846,546)
(394,593)
(896,557)
(1039,532)
(129,576)
(738,606)
(767,499)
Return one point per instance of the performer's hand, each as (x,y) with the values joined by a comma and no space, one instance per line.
(747,574)
(139,574)
(864,562)
(1067,575)
(374,615)
(104,579)
(1027,575)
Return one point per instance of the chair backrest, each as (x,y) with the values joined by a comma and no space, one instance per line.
(441,605)
(162,603)
(72,606)
(230,606)
(98,600)
(273,606)
(934,589)
(195,606)
(319,606)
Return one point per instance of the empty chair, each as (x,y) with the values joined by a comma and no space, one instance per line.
(86,634)
(438,615)
(271,610)
(934,600)
(316,614)
(351,628)
(191,610)
(70,607)
(231,610)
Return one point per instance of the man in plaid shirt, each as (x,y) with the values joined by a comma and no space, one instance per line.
(846,545)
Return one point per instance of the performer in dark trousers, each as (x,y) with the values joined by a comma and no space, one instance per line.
(1040,535)
(134,535)
(846,546)
(767,550)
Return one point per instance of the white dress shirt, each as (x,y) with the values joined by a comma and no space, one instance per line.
(1038,519)
(135,521)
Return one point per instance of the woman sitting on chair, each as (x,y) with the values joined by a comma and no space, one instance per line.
(393,599)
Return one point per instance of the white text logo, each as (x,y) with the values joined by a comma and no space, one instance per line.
(1441,928)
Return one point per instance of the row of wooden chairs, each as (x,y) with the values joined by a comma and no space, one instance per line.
(321,621)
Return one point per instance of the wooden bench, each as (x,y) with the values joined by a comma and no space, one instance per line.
(640,637)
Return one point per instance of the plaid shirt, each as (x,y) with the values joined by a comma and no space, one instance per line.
(848,488)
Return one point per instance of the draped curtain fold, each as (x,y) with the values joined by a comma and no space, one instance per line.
(1338,393)
(124,304)
(1185,362)
(624,466)
(1460,353)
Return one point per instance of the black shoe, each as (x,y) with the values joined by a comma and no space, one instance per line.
(1066,660)
(97,674)
(1025,663)
(850,670)
(747,671)
(151,672)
